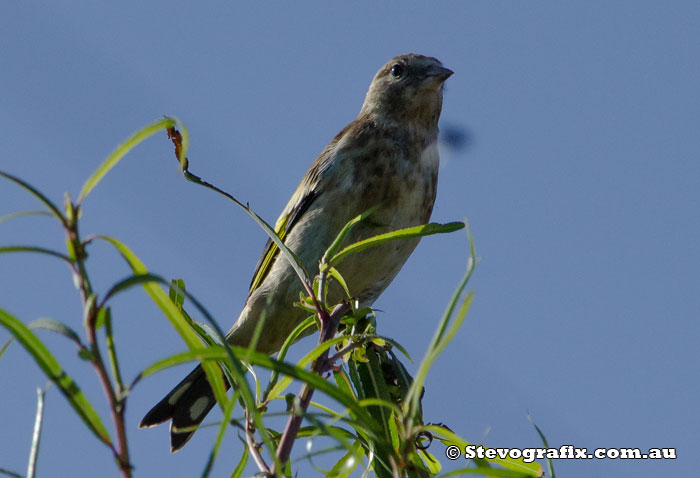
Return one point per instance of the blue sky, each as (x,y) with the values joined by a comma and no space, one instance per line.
(580,182)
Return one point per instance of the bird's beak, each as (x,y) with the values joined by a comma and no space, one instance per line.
(439,73)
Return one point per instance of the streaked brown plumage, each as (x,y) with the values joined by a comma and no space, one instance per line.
(387,157)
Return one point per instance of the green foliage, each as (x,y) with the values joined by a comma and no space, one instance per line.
(376,421)
(53,370)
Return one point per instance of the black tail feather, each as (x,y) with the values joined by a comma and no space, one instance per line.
(186,405)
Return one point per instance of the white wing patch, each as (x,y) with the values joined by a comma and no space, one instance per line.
(175,397)
(198,407)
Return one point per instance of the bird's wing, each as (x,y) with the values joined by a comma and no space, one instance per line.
(308,190)
(306,193)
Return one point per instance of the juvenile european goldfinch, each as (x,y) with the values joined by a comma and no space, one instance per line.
(387,157)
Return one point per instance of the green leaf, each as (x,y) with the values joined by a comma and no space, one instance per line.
(219,438)
(85,354)
(412,404)
(306,360)
(53,371)
(173,314)
(5,346)
(550,465)
(408,233)
(129,282)
(36,193)
(175,292)
(230,366)
(262,360)
(338,241)
(430,462)
(442,335)
(343,382)
(294,261)
(333,272)
(274,376)
(374,385)
(348,463)
(9,473)
(355,378)
(56,326)
(101,317)
(24,214)
(339,433)
(274,237)
(39,250)
(121,151)
(240,467)
(317,351)
(486,471)
(533,469)
(112,350)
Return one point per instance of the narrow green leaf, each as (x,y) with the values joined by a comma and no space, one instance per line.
(36,193)
(550,465)
(253,344)
(242,463)
(348,463)
(121,151)
(53,371)
(24,214)
(262,360)
(412,402)
(485,471)
(438,348)
(5,346)
(305,360)
(343,382)
(101,317)
(56,326)
(291,257)
(231,366)
(112,351)
(173,314)
(355,379)
(408,233)
(317,351)
(129,282)
(374,386)
(335,245)
(394,431)
(471,264)
(211,353)
(533,469)
(181,150)
(39,250)
(9,473)
(431,463)
(219,438)
(177,285)
(86,355)
(294,261)
(298,330)
(380,403)
(333,272)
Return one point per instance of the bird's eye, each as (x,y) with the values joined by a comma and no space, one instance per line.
(397,70)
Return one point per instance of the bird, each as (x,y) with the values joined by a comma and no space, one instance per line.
(386,158)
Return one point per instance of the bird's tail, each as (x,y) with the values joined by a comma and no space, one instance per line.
(186,405)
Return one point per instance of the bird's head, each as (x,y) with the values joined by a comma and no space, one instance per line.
(407,88)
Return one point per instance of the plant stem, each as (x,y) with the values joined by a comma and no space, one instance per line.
(329,325)
(90,312)
(253,447)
